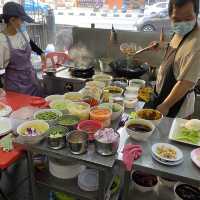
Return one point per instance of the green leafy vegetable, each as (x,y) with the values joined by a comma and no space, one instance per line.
(188,135)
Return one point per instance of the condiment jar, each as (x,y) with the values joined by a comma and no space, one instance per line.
(101,114)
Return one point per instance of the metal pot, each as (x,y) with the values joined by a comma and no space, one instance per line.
(78,142)
(104,64)
(59,142)
(107,149)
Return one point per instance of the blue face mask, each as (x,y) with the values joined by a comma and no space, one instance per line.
(183,28)
(23,28)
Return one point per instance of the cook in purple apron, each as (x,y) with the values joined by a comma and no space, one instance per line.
(20,75)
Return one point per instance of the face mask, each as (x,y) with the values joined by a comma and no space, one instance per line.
(183,28)
(23,28)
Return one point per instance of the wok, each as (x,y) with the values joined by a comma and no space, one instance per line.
(129,69)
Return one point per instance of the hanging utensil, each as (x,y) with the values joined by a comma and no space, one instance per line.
(113,36)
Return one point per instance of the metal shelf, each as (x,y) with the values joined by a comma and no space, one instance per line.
(44,178)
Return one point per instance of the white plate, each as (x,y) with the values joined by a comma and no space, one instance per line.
(167,163)
(5,111)
(179,154)
(88,180)
(175,130)
(5,126)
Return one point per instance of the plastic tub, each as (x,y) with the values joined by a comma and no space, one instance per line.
(80,109)
(73,96)
(101,114)
(90,127)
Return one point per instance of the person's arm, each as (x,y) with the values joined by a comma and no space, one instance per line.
(179,91)
(37,50)
(188,77)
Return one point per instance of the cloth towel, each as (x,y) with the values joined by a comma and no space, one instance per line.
(130,153)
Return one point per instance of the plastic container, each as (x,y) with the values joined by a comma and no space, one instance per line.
(101,114)
(73,96)
(107,79)
(90,127)
(137,83)
(80,109)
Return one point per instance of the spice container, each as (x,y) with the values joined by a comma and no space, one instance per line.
(78,142)
(106,141)
(101,114)
(80,109)
(57,137)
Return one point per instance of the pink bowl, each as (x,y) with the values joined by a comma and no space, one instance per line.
(195,156)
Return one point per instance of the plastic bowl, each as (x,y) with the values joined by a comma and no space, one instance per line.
(101,114)
(90,127)
(115,115)
(49,121)
(107,79)
(61,105)
(137,83)
(54,97)
(114,91)
(37,124)
(73,96)
(140,136)
(64,121)
(155,122)
(80,109)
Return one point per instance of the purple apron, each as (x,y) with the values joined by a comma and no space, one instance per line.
(20,75)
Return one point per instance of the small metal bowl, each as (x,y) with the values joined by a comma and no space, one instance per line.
(59,142)
(107,149)
(78,142)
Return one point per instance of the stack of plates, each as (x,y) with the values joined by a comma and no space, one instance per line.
(5,110)
(164,159)
(5,126)
(88,180)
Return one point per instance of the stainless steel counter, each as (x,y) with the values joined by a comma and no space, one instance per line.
(185,172)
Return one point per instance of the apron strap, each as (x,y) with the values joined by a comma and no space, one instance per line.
(8,41)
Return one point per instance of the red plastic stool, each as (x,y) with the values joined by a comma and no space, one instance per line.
(9,158)
(57,59)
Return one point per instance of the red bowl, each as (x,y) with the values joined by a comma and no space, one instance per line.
(90,127)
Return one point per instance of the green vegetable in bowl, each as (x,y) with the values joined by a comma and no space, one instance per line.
(56,132)
(60,106)
(189,135)
(48,115)
(115,108)
(68,120)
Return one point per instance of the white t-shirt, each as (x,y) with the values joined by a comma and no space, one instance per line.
(17,41)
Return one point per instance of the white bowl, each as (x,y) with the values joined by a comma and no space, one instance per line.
(107,79)
(145,189)
(65,171)
(50,122)
(54,97)
(130,103)
(155,122)
(167,183)
(137,83)
(132,90)
(140,136)
(29,124)
(66,103)
(177,197)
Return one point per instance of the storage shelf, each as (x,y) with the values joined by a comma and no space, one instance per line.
(44,178)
